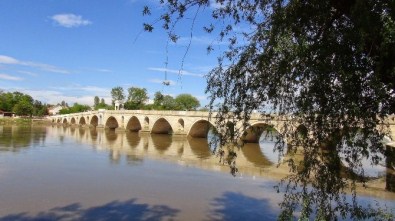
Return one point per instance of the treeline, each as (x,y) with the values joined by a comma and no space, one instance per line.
(138,98)
(22,104)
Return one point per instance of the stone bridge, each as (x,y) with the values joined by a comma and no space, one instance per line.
(191,123)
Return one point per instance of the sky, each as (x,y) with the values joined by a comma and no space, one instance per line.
(74,50)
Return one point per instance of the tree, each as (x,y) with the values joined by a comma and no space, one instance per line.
(39,109)
(117,94)
(24,107)
(187,102)
(169,103)
(158,100)
(96,101)
(328,64)
(137,98)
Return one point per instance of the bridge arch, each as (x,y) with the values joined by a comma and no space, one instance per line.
(65,121)
(59,120)
(134,124)
(181,124)
(94,121)
(72,121)
(254,132)
(200,128)
(111,123)
(82,121)
(146,123)
(162,126)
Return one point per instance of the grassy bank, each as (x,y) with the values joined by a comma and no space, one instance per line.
(22,121)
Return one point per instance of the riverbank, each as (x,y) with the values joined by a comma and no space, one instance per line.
(23,121)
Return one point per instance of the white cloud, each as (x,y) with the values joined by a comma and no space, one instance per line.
(10,78)
(55,97)
(28,73)
(172,71)
(97,91)
(70,20)
(7,60)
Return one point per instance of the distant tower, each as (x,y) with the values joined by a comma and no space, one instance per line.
(118,105)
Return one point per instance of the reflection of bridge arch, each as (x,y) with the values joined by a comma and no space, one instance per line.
(162,142)
(200,147)
(133,124)
(111,123)
(82,121)
(200,128)
(162,126)
(133,139)
(253,153)
(94,121)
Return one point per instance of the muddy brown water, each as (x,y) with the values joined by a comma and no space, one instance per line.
(64,173)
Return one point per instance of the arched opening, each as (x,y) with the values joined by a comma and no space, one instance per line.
(94,121)
(146,123)
(72,121)
(162,126)
(133,124)
(59,121)
(200,129)
(180,124)
(82,121)
(111,123)
(65,121)
(253,133)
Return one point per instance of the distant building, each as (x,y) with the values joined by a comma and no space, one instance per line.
(55,110)
(118,105)
(6,114)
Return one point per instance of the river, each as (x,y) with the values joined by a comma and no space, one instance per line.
(65,173)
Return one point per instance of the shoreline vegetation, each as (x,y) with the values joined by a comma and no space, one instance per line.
(19,121)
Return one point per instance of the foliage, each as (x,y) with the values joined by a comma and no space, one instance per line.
(21,104)
(187,102)
(169,103)
(136,99)
(328,64)
(158,100)
(101,104)
(39,109)
(96,101)
(76,108)
(117,94)
(24,107)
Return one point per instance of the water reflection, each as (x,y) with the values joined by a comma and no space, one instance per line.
(253,153)
(133,139)
(132,147)
(13,138)
(200,147)
(162,142)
